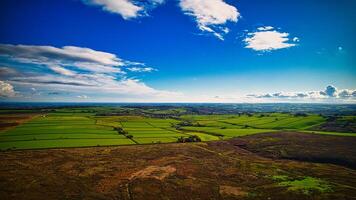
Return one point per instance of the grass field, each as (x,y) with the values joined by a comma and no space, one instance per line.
(259,121)
(228,132)
(75,127)
(60,130)
(78,129)
(150,130)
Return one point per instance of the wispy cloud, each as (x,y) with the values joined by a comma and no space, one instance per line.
(265,28)
(141,69)
(211,15)
(70,56)
(75,69)
(266,38)
(61,70)
(7,71)
(126,8)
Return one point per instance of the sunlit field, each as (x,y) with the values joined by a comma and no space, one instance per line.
(84,127)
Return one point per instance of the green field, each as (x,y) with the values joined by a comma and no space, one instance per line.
(61,130)
(228,132)
(266,121)
(77,127)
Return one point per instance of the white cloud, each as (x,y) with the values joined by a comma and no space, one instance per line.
(295,39)
(128,9)
(141,69)
(77,69)
(345,93)
(94,83)
(6,90)
(78,57)
(62,70)
(330,92)
(211,15)
(265,28)
(125,8)
(267,39)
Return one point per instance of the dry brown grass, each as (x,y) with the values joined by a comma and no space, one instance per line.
(214,170)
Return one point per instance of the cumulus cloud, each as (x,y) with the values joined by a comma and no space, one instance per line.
(347,93)
(126,8)
(6,90)
(211,15)
(141,69)
(329,92)
(76,69)
(267,39)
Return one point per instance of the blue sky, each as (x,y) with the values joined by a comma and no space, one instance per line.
(178,50)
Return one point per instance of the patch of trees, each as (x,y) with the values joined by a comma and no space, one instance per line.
(192,138)
(263,115)
(300,115)
(120,131)
(123,132)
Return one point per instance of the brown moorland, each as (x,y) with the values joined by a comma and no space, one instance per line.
(234,169)
(8,121)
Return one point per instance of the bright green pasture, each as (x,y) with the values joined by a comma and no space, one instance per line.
(227,132)
(65,129)
(206,117)
(204,137)
(82,128)
(152,130)
(60,130)
(257,121)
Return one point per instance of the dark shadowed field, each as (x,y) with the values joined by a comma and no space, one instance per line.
(8,121)
(252,167)
(303,147)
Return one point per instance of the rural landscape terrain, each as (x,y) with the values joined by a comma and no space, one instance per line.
(178,151)
(177,100)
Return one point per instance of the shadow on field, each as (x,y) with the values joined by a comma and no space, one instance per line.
(302,146)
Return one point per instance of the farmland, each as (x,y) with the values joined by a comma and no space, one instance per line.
(60,130)
(106,126)
(175,153)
